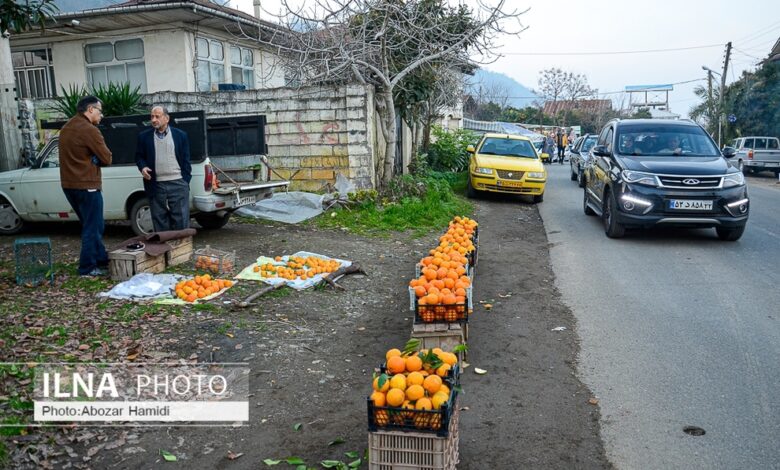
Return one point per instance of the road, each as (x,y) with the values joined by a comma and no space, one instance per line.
(677,329)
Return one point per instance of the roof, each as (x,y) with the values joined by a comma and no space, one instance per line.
(140,13)
(507,136)
(499,127)
(667,87)
(639,122)
(553,108)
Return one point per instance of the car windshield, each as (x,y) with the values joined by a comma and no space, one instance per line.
(589,143)
(508,147)
(665,141)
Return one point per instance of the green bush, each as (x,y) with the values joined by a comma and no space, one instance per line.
(118,99)
(447,151)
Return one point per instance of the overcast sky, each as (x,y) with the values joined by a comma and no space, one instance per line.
(580,29)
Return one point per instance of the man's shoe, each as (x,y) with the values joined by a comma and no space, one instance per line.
(96,272)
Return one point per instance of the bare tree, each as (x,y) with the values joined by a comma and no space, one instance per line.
(558,85)
(382,43)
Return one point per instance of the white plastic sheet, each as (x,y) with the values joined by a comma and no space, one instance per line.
(248,273)
(144,286)
(289,207)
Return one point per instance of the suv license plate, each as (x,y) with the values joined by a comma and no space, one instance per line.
(243,201)
(690,204)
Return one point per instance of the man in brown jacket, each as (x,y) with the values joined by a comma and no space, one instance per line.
(82,152)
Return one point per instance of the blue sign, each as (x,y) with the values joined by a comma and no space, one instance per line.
(732,119)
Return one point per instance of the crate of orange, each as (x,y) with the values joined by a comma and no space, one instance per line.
(416,391)
(201,288)
(441,295)
(214,261)
(463,236)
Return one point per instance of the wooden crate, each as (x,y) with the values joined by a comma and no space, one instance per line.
(441,335)
(399,450)
(181,251)
(124,264)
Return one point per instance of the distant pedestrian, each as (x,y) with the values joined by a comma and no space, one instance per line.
(162,154)
(83,152)
(563,141)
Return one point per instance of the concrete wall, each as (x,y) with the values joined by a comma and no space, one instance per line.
(313,133)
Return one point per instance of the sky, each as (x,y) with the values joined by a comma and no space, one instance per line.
(575,35)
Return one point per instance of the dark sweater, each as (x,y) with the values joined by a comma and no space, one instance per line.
(79,141)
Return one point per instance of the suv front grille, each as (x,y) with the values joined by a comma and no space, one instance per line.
(510,175)
(691,182)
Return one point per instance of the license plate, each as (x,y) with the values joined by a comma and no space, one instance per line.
(243,201)
(772,164)
(509,184)
(690,204)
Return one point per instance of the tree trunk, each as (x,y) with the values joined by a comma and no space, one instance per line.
(391,138)
(10,136)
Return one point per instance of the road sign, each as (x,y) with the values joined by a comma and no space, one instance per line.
(732,119)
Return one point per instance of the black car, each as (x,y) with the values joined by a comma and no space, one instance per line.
(579,155)
(647,172)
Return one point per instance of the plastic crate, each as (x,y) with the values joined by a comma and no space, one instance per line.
(469,271)
(440,313)
(32,257)
(441,335)
(422,421)
(215,261)
(398,450)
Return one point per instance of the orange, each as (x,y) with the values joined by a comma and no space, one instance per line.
(444,389)
(415,392)
(396,365)
(392,353)
(443,370)
(432,384)
(385,386)
(414,378)
(419,291)
(378,398)
(398,382)
(438,399)
(395,397)
(423,404)
(413,363)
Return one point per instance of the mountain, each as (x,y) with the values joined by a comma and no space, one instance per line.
(499,87)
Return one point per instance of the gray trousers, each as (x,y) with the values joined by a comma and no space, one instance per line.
(170,205)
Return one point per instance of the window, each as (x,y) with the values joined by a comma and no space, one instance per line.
(34,73)
(210,71)
(772,144)
(760,143)
(748,144)
(242,69)
(117,62)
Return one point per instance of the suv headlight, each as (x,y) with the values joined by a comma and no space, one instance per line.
(536,175)
(639,177)
(733,179)
(484,171)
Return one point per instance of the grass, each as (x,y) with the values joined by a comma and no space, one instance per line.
(423,213)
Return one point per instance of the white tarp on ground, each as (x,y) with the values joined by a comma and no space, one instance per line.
(144,286)
(293,207)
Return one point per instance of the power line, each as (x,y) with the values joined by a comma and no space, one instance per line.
(759,32)
(613,52)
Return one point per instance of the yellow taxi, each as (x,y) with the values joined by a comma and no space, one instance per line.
(506,164)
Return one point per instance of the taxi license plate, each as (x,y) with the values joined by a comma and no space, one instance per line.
(243,201)
(690,204)
(509,184)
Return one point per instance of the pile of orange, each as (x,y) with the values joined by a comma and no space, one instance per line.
(444,278)
(200,287)
(413,388)
(215,264)
(297,268)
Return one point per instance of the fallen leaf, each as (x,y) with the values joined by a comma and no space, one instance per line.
(336,441)
(232,456)
(593,401)
(480,371)
(271,462)
(488,306)
(239,346)
(559,328)
(132,357)
(168,456)
(298,426)
(465,408)
(83,347)
(229,335)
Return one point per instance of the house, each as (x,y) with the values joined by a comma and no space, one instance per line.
(157,45)
(774,54)
(595,106)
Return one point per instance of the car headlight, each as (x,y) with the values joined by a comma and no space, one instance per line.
(484,171)
(537,175)
(733,179)
(639,177)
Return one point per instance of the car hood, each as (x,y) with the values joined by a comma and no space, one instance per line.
(499,162)
(678,165)
(11,176)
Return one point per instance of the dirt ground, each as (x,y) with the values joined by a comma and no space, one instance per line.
(312,354)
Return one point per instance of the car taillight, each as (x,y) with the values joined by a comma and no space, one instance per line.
(208,179)
(750,154)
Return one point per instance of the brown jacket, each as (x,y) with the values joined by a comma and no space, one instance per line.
(79,141)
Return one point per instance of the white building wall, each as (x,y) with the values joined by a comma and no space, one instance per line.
(167,57)
(69,66)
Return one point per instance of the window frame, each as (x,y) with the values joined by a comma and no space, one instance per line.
(115,62)
(42,75)
(241,66)
(210,61)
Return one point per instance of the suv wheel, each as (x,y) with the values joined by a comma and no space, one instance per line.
(580,178)
(470,191)
(585,208)
(141,217)
(10,222)
(612,228)
(539,198)
(730,234)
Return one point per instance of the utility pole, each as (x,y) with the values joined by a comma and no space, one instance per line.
(723,92)
(710,108)
(10,135)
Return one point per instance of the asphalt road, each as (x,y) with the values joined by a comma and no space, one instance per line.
(677,329)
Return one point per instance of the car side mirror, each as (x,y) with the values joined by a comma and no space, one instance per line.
(601,151)
(470,149)
(729,152)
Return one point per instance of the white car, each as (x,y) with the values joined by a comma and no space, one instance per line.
(34,194)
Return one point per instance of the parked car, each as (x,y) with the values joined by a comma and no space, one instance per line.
(755,154)
(506,164)
(647,173)
(579,156)
(539,146)
(34,194)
